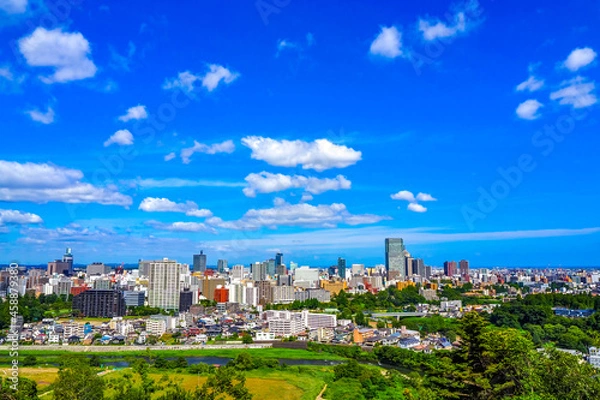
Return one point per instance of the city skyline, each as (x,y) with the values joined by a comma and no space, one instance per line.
(316,133)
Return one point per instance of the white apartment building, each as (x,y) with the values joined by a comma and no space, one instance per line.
(594,357)
(164,284)
(282,294)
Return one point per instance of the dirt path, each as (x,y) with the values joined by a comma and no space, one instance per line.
(320,396)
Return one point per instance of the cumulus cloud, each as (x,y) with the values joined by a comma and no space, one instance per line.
(18,218)
(155,204)
(181,226)
(577,92)
(68,53)
(303,214)
(318,155)
(413,200)
(210,81)
(170,156)
(579,58)
(529,109)
(266,182)
(415,207)
(388,43)
(403,195)
(43,183)
(224,147)
(121,137)
(13,6)
(531,84)
(42,117)
(137,112)
(433,28)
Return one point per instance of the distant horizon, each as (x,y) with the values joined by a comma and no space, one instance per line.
(316,131)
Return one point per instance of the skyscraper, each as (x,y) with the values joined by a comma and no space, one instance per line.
(395,266)
(408,260)
(278,259)
(450,268)
(64,266)
(199,262)
(221,266)
(419,267)
(259,271)
(341,267)
(464,267)
(163,284)
(271,267)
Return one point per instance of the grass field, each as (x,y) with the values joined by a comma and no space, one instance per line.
(52,356)
(293,384)
(43,376)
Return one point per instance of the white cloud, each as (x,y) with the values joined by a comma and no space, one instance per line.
(217,74)
(211,80)
(18,217)
(121,137)
(433,28)
(266,182)
(531,84)
(44,118)
(68,53)
(177,182)
(154,204)
(43,183)
(137,112)
(404,195)
(184,81)
(224,147)
(579,58)
(13,6)
(529,109)
(303,214)
(413,200)
(181,226)
(425,197)
(170,156)
(388,43)
(318,155)
(576,92)
(415,207)
(6,73)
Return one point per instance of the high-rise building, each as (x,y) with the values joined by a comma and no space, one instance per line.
(164,285)
(199,262)
(259,271)
(394,259)
(419,267)
(237,272)
(281,270)
(271,267)
(221,266)
(341,267)
(464,267)
(64,266)
(450,268)
(408,260)
(278,259)
(100,303)
(186,298)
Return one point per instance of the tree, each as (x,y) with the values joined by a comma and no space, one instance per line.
(29,361)
(78,381)
(225,381)
(247,339)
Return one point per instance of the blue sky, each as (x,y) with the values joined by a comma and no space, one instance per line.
(154,129)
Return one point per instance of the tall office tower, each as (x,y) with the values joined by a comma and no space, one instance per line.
(408,260)
(281,270)
(64,266)
(394,259)
(163,284)
(271,267)
(427,271)
(237,272)
(464,267)
(278,259)
(199,262)
(341,267)
(293,266)
(450,268)
(419,267)
(259,271)
(221,266)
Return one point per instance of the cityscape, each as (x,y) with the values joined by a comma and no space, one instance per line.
(299,200)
